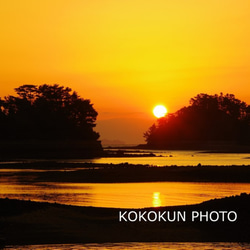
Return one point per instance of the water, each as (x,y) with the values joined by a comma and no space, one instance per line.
(180,158)
(122,195)
(166,158)
(129,195)
(132,195)
(136,246)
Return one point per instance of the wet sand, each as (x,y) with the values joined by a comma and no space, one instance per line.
(27,222)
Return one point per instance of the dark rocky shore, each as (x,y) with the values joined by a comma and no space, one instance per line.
(27,222)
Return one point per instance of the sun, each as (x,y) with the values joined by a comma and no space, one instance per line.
(160,111)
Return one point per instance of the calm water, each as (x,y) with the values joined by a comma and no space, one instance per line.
(133,195)
(180,158)
(168,158)
(122,195)
(136,246)
(130,195)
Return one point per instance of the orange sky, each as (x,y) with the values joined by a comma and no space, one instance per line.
(127,56)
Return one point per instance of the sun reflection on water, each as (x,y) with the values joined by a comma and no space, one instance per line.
(156,199)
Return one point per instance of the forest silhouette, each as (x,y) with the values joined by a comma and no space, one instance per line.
(45,117)
(53,120)
(209,119)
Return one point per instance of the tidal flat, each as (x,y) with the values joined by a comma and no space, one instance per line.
(54,171)
(28,222)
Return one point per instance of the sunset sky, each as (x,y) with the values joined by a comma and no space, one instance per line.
(127,56)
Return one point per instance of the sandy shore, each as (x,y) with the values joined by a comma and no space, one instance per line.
(26,222)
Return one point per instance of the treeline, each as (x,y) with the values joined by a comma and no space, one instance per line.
(46,112)
(208,118)
(47,121)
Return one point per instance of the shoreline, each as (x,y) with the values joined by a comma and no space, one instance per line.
(50,171)
(209,146)
(28,223)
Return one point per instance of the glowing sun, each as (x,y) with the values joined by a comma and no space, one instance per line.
(160,111)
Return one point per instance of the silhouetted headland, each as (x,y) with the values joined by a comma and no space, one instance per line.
(210,122)
(48,121)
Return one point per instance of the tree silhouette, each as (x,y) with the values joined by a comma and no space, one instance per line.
(207,118)
(47,112)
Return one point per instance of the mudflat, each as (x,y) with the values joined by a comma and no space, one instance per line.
(110,173)
(28,222)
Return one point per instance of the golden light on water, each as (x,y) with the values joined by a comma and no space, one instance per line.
(156,199)
(120,195)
